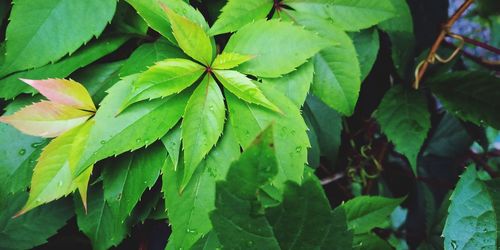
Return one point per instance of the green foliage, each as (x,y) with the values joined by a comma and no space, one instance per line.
(283,125)
(43,31)
(404,118)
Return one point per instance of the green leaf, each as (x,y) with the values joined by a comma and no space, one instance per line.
(210,241)
(364,213)
(53,175)
(327,124)
(400,31)
(367,45)
(404,117)
(339,237)
(138,126)
(472,96)
(237,13)
(281,55)
(11,86)
(99,222)
(189,212)
(202,125)
(302,221)
(151,11)
(351,15)
(165,78)
(98,78)
(238,219)
(147,55)
(290,137)
(129,176)
(43,31)
(172,142)
(241,86)
(472,215)
(33,228)
(229,60)
(337,74)
(191,37)
(296,84)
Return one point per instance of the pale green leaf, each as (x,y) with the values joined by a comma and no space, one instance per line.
(191,37)
(274,57)
(165,78)
(53,174)
(229,60)
(296,84)
(152,12)
(237,13)
(337,74)
(43,31)
(11,86)
(351,15)
(241,86)
(147,55)
(472,96)
(290,137)
(127,178)
(138,126)
(404,117)
(202,125)
(472,215)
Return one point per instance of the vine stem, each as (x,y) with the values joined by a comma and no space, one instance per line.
(444,31)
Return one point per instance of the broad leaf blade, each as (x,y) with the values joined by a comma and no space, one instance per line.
(138,126)
(472,96)
(46,119)
(62,91)
(127,178)
(43,31)
(191,37)
(165,78)
(202,125)
(243,88)
(281,55)
(405,119)
(237,13)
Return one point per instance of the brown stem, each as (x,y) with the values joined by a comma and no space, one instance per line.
(481,44)
(444,31)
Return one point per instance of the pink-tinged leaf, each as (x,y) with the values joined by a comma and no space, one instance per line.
(64,91)
(46,119)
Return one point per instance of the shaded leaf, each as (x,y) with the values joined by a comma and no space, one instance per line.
(172,142)
(237,13)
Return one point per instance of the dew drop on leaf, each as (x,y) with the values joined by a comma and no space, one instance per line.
(22,151)
(103,142)
(36,144)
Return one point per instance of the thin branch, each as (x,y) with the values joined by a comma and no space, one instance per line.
(481,44)
(444,31)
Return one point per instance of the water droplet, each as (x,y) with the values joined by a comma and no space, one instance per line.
(38,200)
(36,144)
(191,231)
(22,151)
(298,149)
(103,142)
(138,140)
(32,161)
(250,243)
(60,183)
(211,107)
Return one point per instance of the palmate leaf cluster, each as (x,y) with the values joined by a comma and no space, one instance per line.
(217,124)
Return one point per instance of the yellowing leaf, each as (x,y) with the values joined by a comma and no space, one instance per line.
(53,176)
(191,37)
(62,91)
(243,88)
(228,60)
(46,119)
(82,183)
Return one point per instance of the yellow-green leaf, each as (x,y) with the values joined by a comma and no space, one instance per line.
(228,60)
(191,37)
